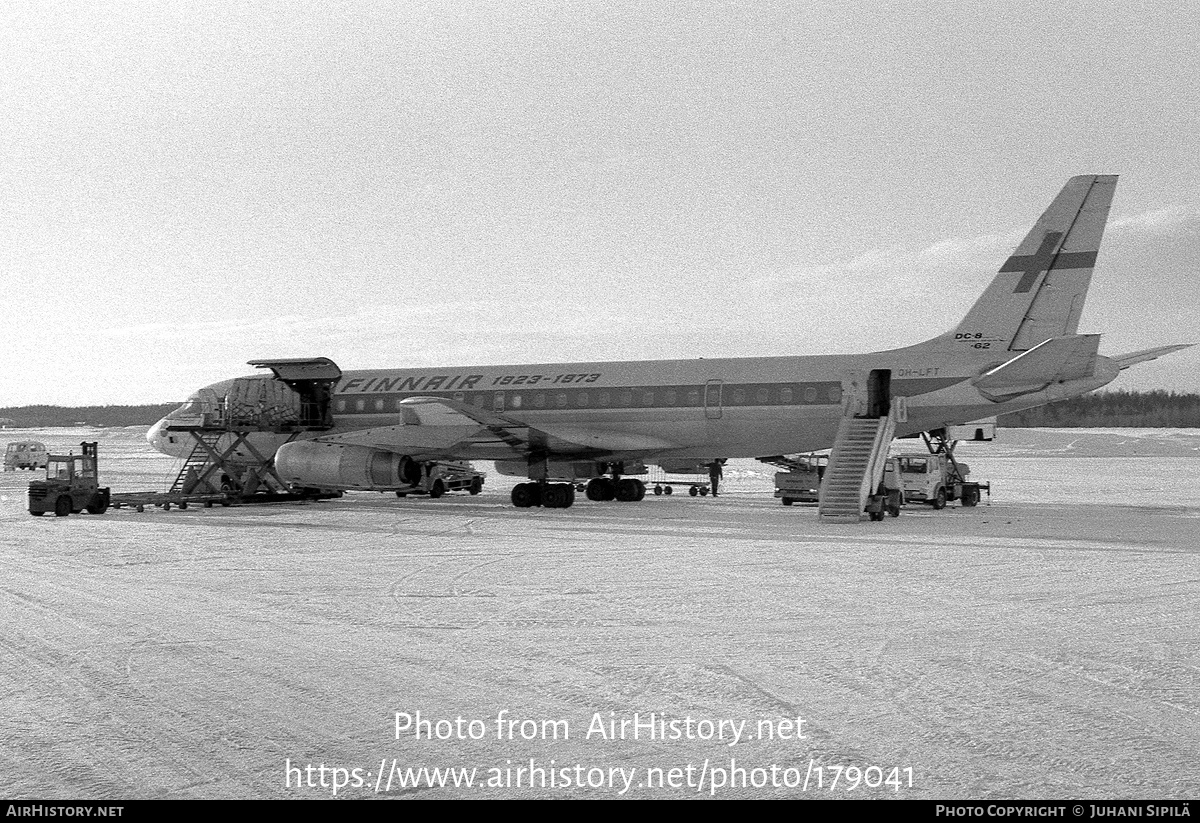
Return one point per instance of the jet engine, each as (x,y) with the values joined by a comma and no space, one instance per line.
(336,466)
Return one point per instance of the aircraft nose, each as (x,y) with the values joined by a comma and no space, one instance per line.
(155,435)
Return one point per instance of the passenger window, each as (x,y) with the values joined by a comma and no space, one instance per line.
(670,398)
(561,400)
(341,405)
(739,397)
(626,399)
(835,394)
(763,396)
(360,405)
(785,395)
(539,400)
(648,399)
(810,394)
(605,398)
(694,397)
(515,401)
(379,405)
(582,399)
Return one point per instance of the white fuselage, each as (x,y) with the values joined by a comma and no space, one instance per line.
(702,408)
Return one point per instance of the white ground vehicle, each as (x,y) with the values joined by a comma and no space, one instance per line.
(936,479)
(802,484)
(439,478)
(25,454)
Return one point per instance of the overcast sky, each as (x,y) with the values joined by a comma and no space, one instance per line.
(188,186)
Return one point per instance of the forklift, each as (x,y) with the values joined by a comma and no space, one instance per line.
(72,485)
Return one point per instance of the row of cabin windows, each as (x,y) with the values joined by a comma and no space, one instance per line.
(627,398)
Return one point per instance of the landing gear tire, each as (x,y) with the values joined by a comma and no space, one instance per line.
(558,496)
(658,491)
(693,491)
(601,489)
(704,491)
(437,490)
(526,495)
(476,486)
(630,491)
(62,506)
(668,490)
(939,499)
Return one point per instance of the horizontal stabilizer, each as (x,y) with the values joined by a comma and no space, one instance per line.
(1124,361)
(1053,361)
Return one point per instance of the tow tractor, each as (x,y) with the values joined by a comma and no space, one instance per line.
(439,478)
(72,485)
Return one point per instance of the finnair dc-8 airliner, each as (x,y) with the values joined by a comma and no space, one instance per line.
(562,423)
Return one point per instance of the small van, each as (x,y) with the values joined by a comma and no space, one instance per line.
(26,454)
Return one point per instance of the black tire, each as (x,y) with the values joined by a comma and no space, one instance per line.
(876,516)
(524,495)
(38,514)
(668,490)
(939,499)
(402,494)
(970,498)
(658,491)
(100,507)
(627,490)
(476,485)
(437,490)
(641,491)
(693,491)
(704,491)
(893,511)
(62,506)
(787,501)
(601,489)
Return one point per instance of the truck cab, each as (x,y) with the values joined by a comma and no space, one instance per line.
(72,485)
(936,479)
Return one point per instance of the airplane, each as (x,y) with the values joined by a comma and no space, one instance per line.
(558,424)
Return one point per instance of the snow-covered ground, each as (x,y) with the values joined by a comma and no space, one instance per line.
(1043,644)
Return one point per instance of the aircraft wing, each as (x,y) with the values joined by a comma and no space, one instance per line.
(436,427)
(1124,361)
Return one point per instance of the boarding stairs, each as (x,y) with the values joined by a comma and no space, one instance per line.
(855,467)
(195,468)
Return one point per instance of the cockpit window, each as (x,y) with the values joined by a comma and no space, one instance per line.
(190,408)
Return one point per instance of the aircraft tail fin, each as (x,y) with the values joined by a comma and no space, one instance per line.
(1038,293)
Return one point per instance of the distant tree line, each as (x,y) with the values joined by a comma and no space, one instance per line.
(1156,409)
(44,416)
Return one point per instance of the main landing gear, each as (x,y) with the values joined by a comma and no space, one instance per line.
(625,489)
(547,495)
(562,495)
